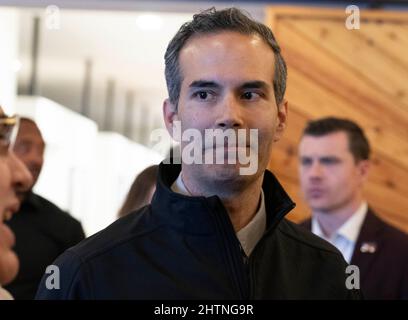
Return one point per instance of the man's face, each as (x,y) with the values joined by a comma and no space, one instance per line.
(330,177)
(228,84)
(29,148)
(14,180)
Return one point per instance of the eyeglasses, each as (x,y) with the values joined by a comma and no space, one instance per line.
(8,133)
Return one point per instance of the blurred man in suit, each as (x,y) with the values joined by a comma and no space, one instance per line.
(14,179)
(42,229)
(334,164)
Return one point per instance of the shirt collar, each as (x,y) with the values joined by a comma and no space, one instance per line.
(349,229)
(179,187)
(249,235)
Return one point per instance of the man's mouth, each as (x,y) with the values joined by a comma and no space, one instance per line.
(316,192)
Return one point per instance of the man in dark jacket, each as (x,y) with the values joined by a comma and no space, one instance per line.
(215,228)
(334,156)
(43,230)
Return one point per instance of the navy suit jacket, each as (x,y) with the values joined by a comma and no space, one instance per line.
(381,253)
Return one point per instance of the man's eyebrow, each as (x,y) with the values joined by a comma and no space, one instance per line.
(255,85)
(204,84)
(333,159)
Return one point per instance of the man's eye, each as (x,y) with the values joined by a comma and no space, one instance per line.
(329,161)
(306,162)
(203,95)
(249,95)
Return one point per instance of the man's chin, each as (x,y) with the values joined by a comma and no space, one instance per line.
(228,173)
(227,170)
(321,207)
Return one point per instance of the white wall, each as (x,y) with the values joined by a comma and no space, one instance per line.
(8,58)
(117,162)
(86,172)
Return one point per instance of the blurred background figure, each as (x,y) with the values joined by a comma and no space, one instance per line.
(43,231)
(334,164)
(141,191)
(14,179)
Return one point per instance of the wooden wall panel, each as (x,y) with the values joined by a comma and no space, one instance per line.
(359,74)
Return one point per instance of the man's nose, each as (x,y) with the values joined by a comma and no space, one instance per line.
(21,177)
(316,170)
(230,113)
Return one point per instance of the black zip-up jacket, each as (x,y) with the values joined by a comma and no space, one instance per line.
(182,247)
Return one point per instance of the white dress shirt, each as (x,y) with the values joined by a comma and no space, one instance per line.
(249,235)
(345,237)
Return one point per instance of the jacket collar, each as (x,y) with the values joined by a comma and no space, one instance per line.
(192,213)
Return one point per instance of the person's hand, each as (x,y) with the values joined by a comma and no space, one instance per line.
(9,263)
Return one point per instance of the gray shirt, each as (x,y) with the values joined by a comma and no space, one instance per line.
(249,235)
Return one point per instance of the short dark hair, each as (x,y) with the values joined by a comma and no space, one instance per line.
(212,21)
(358,142)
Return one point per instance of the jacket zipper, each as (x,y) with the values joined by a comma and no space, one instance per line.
(232,250)
(280,215)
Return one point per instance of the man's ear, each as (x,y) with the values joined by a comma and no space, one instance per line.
(281,120)
(364,169)
(170,115)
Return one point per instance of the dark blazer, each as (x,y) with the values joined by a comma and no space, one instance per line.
(43,232)
(381,253)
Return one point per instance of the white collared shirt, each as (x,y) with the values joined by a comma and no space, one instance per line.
(249,235)
(345,237)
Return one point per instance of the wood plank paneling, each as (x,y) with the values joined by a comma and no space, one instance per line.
(359,74)
(359,54)
(329,74)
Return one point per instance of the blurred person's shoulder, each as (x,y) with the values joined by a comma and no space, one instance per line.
(301,236)
(390,237)
(392,233)
(49,209)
